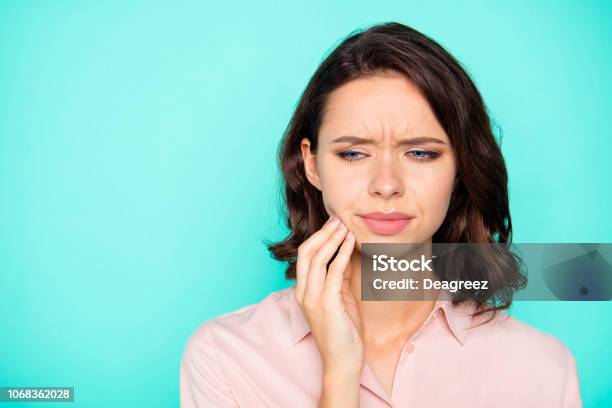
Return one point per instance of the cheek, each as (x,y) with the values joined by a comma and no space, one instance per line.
(433,194)
(341,187)
(340,193)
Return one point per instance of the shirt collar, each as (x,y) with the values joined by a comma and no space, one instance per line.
(458,317)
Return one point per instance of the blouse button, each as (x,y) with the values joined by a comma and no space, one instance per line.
(410,347)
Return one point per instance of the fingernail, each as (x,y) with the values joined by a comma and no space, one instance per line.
(349,236)
(341,227)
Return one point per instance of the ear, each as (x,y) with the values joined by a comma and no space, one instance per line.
(310,164)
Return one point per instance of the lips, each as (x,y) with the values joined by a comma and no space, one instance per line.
(386,223)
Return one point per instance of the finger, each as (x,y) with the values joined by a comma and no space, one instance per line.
(333,284)
(318,264)
(307,250)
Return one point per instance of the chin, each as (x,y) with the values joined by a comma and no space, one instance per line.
(383,239)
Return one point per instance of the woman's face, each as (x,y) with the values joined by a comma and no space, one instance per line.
(381,149)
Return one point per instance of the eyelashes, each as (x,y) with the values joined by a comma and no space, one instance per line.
(416,155)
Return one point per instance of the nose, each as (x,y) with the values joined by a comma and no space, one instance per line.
(387,181)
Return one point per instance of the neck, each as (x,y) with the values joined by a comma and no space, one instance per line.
(386,321)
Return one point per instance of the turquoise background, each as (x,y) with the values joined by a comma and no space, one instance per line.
(138,177)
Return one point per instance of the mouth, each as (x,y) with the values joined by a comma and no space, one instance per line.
(386,223)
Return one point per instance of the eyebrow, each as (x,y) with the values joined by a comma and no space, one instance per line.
(411,141)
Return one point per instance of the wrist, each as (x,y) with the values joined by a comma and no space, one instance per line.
(340,389)
(341,377)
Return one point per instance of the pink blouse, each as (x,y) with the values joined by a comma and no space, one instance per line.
(262,355)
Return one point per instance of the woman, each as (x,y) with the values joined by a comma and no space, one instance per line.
(390,142)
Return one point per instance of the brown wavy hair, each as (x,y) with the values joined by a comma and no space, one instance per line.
(478,211)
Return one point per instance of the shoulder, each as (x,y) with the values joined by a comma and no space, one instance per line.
(511,329)
(529,346)
(252,324)
(535,361)
(229,344)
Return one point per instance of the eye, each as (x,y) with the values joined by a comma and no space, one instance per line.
(418,155)
(350,155)
(422,155)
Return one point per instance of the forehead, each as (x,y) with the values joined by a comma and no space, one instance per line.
(385,105)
